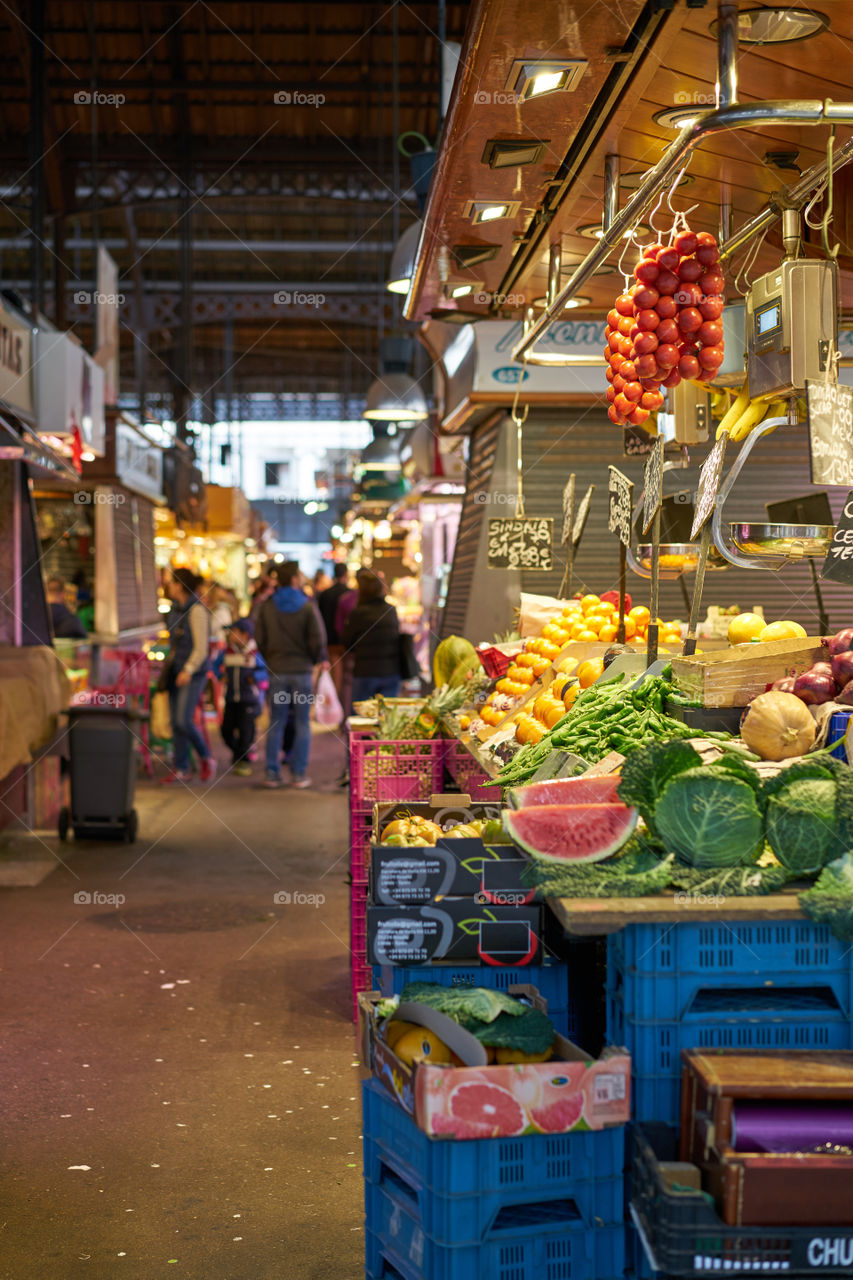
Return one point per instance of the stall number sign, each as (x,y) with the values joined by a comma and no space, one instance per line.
(621,492)
(709,484)
(516,543)
(653,482)
(839,558)
(831,432)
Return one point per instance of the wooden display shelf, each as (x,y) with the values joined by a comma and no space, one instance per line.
(609,915)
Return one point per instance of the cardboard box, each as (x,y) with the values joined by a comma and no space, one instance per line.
(447,809)
(570,1091)
(450,868)
(454,929)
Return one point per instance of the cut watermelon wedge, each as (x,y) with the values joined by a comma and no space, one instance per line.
(567,791)
(571,832)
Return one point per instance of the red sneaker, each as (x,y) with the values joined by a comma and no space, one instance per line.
(176,776)
(207,769)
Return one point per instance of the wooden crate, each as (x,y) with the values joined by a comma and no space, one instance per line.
(733,677)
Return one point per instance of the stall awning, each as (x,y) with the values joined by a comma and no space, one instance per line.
(21,442)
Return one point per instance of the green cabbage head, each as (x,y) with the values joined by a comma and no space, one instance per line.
(710,818)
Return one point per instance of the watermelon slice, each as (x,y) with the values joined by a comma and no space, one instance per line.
(571,832)
(567,791)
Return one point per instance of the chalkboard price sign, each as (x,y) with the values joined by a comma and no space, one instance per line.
(653,481)
(582,515)
(831,432)
(621,505)
(839,558)
(709,484)
(516,543)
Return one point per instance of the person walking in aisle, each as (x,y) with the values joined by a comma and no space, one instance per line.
(327,603)
(241,667)
(372,634)
(185,674)
(292,642)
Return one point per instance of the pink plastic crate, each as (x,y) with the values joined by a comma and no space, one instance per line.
(468,775)
(362,980)
(381,770)
(359,854)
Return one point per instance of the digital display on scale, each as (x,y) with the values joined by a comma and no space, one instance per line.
(768,319)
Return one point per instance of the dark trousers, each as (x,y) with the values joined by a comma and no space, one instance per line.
(238,728)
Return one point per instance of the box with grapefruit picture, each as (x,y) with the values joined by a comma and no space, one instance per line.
(455,1084)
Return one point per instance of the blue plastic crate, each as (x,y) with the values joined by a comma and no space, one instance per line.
(760,1018)
(555,1248)
(550,980)
(536,1165)
(837,730)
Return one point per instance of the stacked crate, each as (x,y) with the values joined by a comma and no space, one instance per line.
(468,775)
(751,985)
(380,771)
(546,1205)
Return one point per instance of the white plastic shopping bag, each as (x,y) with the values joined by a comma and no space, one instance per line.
(327,706)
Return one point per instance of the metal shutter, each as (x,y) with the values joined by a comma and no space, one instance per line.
(481,460)
(136,573)
(585,441)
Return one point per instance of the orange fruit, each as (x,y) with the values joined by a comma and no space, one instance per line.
(548,631)
(589,671)
(630,627)
(541,666)
(608,632)
(548,649)
(578,628)
(640,614)
(570,692)
(586,635)
(525,659)
(595,621)
(553,714)
(562,635)
(588,603)
(573,609)
(522,675)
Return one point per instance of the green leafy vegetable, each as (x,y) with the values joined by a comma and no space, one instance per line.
(640,868)
(531,1031)
(710,818)
(466,1005)
(647,771)
(830,899)
(740,882)
(810,813)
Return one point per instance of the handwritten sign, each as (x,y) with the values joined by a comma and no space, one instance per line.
(516,543)
(653,482)
(709,484)
(839,558)
(636,443)
(621,492)
(582,515)
(830,432)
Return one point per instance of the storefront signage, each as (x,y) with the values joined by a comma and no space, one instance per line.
(139,463)
(516,543)
(709,484)
(831,432)
(653,482)
(15,362)
(839,559)
(621,492)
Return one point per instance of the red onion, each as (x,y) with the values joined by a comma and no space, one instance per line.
(842,667)
(815,687)
(784,686)
(841,642)
(845,697)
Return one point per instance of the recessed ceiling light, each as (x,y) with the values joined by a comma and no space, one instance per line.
(480,211)
(462,288)
(537,77)
(632,181)
(471,255)
(777,25)
(680,117)
(595,231)
(448,316)
(506,153)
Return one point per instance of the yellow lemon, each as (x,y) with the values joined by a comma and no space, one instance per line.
(395,1028)
(782,631)
(745,627)
(419,1042)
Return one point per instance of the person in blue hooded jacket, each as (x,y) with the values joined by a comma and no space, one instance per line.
(292,642)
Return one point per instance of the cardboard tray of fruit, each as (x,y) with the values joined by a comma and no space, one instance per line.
(733,677)
(478,1099)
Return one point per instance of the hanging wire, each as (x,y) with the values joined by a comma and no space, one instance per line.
(519,420)
(827,216)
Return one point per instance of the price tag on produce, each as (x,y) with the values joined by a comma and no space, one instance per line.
(621,491)
(516,543)
(709,484)
(830,432)
(839,558)
(653,482)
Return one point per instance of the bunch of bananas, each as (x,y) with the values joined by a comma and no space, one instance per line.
(746,414)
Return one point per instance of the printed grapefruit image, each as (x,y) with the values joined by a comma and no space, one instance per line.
(559,1110)
(482,1110)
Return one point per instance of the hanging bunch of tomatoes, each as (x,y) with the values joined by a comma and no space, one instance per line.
(668,326)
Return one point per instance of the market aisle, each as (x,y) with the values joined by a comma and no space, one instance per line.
(204,1068)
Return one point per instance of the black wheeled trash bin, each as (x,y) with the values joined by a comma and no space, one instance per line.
(102,749)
